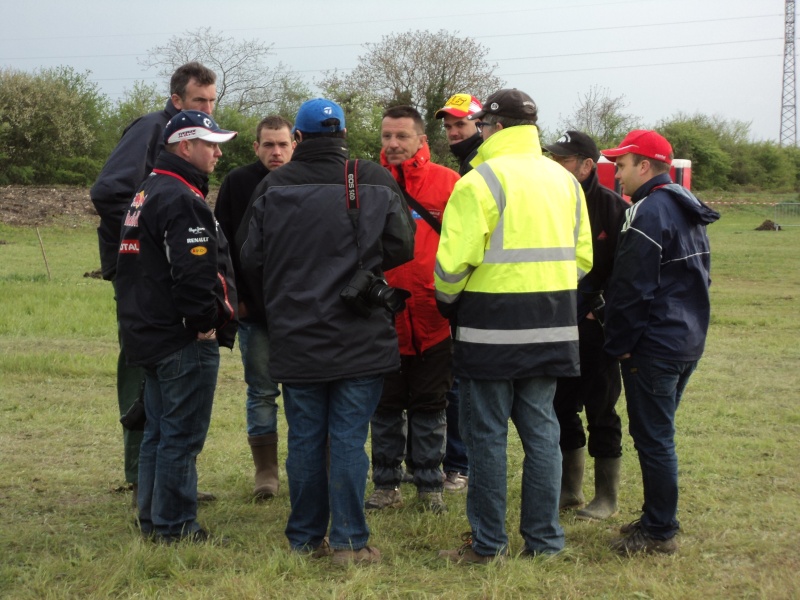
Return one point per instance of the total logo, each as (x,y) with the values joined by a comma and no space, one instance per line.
(129,247)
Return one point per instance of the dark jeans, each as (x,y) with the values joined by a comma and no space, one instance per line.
(340,410)
(262,392)
(455,454)
(596,390)
(178,395)
(653,389)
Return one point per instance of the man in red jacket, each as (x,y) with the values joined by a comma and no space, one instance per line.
(413,401)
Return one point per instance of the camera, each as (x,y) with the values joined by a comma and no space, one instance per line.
(135,418)
(597,306)
(366,290)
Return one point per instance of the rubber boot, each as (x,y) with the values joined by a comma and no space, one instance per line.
(265,458)
(606,490)
(572,463)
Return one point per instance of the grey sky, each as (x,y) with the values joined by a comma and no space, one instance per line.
(709,56)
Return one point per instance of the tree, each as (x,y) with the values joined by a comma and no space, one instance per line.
(601,116)
(244,81)
(419,68)
(50,126)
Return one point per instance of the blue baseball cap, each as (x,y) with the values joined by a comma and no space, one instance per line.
(312,113)
(195,124)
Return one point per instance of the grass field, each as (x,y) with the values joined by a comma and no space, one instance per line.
(66,527)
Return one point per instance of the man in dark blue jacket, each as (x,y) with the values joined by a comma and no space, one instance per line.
(175,305)
(192,87)
(657,316)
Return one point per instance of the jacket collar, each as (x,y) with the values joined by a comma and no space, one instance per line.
(168,161)
(409,169)
(645,189)
(313,149)
(520,139)
(461,150)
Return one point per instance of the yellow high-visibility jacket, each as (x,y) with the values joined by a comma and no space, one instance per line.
(515,241)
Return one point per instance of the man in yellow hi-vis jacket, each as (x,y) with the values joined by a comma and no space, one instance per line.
(515,241)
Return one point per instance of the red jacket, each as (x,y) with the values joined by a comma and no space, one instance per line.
(420,326)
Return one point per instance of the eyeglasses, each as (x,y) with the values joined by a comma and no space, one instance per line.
(481,124)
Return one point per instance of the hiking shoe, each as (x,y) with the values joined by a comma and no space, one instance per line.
(367,555)
(629,527)
(384,498)
(637,541)
(433,502)
(455,481)
(465,555)
(323,550)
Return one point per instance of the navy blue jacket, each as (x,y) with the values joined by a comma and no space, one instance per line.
(174,275)
(657,303)
(125,170)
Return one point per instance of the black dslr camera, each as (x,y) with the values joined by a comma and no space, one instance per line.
(366,290)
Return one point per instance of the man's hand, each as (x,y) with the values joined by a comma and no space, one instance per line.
(211,334)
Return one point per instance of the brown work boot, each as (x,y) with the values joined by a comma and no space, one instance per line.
(368,555)
(265,458)
(638,542)
(384,498)
(455,482)
(432,502)
(465,555)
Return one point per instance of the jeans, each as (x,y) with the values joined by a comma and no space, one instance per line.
(340,409)
(178,394)
(455,454)
(262,392)
(486,407)
(653,389)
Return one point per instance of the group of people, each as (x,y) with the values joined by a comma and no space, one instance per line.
(427,306)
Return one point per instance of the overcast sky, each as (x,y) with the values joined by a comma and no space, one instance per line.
(717,57)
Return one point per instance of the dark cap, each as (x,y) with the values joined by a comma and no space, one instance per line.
(195,124)
(510,103)
(574,143)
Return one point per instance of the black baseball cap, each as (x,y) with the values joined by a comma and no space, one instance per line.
(574,143)
(511,103)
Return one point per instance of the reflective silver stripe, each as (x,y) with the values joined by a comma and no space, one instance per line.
(577,209)
(497,254)
(517,336)
(498,193)
(446,298)
(454,277)
(521,255)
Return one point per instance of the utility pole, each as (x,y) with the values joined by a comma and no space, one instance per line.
(789,97)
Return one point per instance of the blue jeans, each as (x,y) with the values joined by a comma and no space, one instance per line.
(340,409)
(262,408)
(178,394)
(455,454)
(653,390)
(486,407)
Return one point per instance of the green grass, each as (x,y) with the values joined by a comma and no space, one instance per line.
(67,528)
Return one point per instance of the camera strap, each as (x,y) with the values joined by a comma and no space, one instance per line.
(353,204)
(423,212)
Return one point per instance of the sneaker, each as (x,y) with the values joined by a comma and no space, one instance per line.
(433,502)
(367,555)
(465,555)
(455,482)
(637,541)
(384,498)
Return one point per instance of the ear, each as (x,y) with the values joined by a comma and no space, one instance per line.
(298,137)
(424,138)
(177,101)
(498,126)
(255,147)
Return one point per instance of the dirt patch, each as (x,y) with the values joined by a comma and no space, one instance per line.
(32,206)
(768,226)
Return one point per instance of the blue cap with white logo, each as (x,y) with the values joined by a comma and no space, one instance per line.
(313,113)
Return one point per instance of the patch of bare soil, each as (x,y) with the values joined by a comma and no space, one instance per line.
(28,206)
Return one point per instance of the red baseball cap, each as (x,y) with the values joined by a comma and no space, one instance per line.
(645,142)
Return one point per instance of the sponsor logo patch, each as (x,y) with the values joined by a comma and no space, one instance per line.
(196,230)
(129,247)
(199,250)
(201,240)
(139,199)
(132,219)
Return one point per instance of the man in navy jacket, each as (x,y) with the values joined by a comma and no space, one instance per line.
(657,316)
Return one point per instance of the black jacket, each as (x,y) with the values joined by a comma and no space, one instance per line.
(174,275)
(300,253)
(125,170)
(235,196)
(606,210)
(658,303)
(465,151)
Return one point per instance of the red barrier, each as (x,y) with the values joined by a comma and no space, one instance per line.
(681,172)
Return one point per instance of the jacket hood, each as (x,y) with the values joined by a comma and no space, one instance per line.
(688,202)
(520,139)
